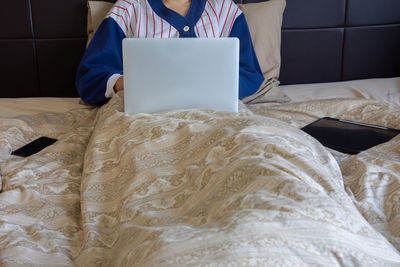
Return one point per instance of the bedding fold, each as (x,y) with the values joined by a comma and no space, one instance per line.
(40,215)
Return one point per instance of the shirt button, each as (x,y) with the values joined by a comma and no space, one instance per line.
(186,28)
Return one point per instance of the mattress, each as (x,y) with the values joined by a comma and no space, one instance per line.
(386,90)
(12,107)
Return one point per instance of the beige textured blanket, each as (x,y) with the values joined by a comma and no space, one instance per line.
(198,188)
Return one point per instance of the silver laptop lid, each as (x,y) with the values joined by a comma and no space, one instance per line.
(182,73)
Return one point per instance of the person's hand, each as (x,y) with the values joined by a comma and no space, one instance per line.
(119,84)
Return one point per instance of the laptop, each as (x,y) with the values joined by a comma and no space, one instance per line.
(181,73)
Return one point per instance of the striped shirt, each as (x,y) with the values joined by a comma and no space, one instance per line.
(137,18)
(101,65)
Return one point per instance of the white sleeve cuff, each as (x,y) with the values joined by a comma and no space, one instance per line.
(110,85)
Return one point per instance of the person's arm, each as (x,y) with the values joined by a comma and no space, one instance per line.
(250,75)
(99,74)
(119,84)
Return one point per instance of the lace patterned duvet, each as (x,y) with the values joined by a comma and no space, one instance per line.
(198,188)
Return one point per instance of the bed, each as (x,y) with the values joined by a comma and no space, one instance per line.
(203,187)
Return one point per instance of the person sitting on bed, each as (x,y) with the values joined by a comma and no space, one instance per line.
(100,74)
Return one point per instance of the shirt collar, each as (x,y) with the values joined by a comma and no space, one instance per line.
(176,20)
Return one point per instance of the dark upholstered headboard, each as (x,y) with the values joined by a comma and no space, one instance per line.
(335,40)
(42,41)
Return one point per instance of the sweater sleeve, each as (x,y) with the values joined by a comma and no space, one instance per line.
(101,61)
(250,75)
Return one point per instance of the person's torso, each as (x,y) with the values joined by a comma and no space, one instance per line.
(152,19)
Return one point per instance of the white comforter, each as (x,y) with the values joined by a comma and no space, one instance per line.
(198,188)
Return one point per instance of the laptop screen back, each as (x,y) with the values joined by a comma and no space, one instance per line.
(186,73)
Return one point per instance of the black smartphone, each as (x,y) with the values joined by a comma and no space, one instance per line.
(348,136)
(34,146)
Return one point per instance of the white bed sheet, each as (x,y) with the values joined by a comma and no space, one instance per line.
(13,107)
(385,90)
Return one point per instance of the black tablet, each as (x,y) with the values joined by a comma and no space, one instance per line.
(34,146)
(348,136)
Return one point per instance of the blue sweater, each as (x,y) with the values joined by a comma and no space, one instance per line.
(103,57)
